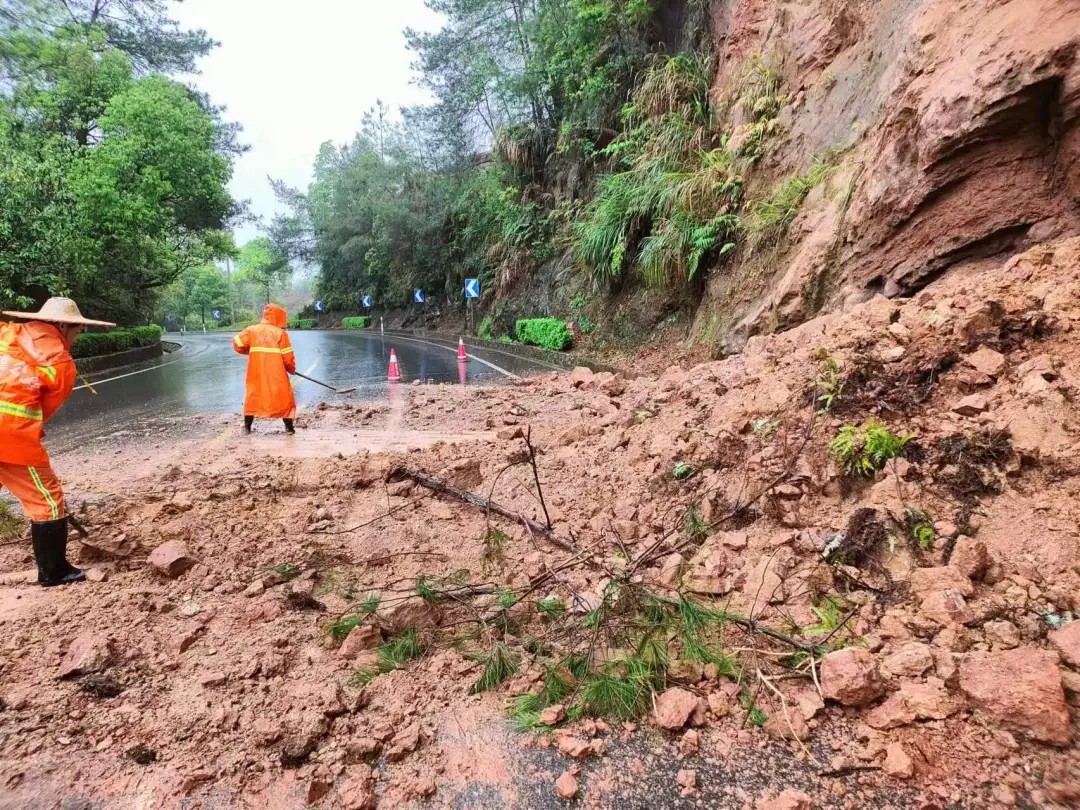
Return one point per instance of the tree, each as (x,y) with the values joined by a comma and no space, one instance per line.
(261,263)
(141,29)
(114,185)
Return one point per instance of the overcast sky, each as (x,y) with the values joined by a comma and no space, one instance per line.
(297,74)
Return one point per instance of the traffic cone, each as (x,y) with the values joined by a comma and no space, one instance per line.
(461,356)
(393,374)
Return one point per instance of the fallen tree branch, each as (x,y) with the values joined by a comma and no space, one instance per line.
(480,502)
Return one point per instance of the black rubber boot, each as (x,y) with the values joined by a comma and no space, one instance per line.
(50,552)
(247,423)
(289,426)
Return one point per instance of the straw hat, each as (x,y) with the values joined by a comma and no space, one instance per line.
(59,310)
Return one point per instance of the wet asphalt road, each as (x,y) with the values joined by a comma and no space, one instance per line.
(207,377)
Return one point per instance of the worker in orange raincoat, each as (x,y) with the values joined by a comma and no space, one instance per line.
(36,377)
(269,394)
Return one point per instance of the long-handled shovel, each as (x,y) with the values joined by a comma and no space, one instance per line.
(325,385)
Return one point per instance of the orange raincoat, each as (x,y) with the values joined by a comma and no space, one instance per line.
(36,376)
(270,361)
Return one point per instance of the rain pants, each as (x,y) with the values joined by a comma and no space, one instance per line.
(269,394)
(36,377)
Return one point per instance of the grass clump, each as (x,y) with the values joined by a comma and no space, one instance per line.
(551,607)
(548,333)
(286,571)
(919,526)
(863,451)
(499,664)
(340,628)
(394,654)
(772,215)
(11,525)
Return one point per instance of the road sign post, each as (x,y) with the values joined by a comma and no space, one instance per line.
(472,293)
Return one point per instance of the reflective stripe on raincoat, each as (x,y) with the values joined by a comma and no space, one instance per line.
(269,394)
(36,376)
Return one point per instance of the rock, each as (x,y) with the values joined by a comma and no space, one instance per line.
(362,750)
(672,569)
(686,779)
(566,786)
(1034,383)
(404,742)
(612,386)
(971,405)
(897,762)
(705,574)
(970,557)
(1003,635)
(1020,689)
(553,715)
(690,744)
(510,433)
(788,800)
(581,377)
(850,677)
(317,789)
(362,637)
(945,607)
(576,747)
(912,660)
(185,637)
(97,575)
(925,580)
(86,654)
(209,679)
(914,701)
(171,559)
(986,361)
(576,433)
(677,707)
(254,589)
(358,793)
(1067,642)
(791,726)
(414,613)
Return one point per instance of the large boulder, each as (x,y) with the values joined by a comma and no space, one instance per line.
(850,677)
(1020,689)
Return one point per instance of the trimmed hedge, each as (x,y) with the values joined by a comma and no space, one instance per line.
(548,333)
(300,323)
(94,344)
(361,322)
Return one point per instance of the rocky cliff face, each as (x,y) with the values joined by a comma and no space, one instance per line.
(959,121)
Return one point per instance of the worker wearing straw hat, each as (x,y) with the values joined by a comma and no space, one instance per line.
(37,374)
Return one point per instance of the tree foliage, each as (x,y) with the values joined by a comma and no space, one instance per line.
(112,180)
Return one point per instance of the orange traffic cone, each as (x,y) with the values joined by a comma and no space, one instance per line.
(461,356)
(393,374)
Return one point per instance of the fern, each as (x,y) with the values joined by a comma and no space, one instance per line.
(863,451)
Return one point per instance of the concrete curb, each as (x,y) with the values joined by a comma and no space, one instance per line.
(104,362)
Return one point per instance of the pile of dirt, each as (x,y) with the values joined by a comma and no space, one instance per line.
(838,570)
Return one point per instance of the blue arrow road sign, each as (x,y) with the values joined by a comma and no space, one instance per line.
(418,296)
(366,302)
(318,306)
(472,288)
(217,314)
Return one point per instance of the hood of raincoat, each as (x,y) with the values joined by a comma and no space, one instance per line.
(275,316)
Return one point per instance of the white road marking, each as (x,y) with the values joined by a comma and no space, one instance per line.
(129,374)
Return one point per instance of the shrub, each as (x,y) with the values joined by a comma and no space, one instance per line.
(361,322)
(485,331)
(549,333)
(93,344)
(862,451)
(301,323)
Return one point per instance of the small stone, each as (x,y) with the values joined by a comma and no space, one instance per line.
(850,677)
(581,377)
(171,559)
(185,637)
(212,679)
(363,637)
(1003,635)
(690,744)
(1067,642)
(97,575)
(686,779)
(254,589)
(914,701)
(971,405)
(897,762)
(924,581)
(676,707)
(317,789)
(945,607)
(788,800)
(573,746)
(789,726)
(911,660)
(404,742)
(986,361)
(970,557)
(510,433)
(86,654)
(553,715)
(566,786)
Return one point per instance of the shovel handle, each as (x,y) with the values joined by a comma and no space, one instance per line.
(317,382)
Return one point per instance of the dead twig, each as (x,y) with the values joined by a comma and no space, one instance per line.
(480,502)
